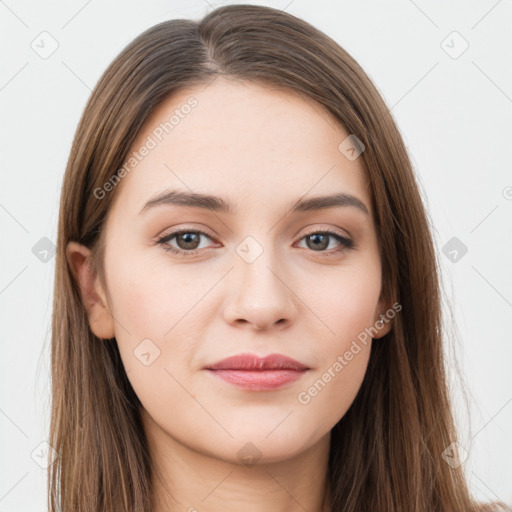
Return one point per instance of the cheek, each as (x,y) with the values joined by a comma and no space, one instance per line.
(345,303)
(342,353)
(150,298)
(160,312)
(328,394)
(153,330)
(146,304)
(347,310)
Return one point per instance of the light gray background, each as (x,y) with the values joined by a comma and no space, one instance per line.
(455,114)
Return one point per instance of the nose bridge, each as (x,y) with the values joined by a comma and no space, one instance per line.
(259,293)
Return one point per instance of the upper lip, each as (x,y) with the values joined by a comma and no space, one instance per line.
(255,362)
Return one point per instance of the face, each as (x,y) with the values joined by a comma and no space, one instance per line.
(258,278)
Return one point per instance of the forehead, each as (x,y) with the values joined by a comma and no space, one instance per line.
(246,142)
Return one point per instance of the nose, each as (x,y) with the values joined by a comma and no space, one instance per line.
(260,295)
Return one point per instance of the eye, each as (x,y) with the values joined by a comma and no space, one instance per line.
(318,241)
(188,239)
(188,242)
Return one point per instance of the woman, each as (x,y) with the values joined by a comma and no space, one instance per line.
(247,308)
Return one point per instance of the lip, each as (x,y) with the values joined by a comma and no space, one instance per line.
(256,373)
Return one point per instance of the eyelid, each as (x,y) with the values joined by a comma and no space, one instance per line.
(182,228)
(315,229)
(329,229)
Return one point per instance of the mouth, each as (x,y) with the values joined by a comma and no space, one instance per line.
(256,373)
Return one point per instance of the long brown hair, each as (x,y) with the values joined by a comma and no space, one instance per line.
(386,452)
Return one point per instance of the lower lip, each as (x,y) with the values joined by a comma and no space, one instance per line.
(259,380)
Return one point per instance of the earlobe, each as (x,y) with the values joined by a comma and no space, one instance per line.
(93,295)
(382,322)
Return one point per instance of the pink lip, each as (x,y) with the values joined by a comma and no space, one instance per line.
(258,373)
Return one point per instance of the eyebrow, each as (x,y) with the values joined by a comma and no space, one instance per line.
(218,204)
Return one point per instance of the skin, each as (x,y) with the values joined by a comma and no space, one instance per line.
(260,149)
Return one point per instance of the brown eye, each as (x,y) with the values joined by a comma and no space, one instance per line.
(319,241)
(187,241)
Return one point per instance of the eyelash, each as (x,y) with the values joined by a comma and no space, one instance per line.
(346,244)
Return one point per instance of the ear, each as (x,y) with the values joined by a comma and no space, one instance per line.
(93,295)
(382,321)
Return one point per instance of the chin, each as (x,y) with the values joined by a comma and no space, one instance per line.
(256,448)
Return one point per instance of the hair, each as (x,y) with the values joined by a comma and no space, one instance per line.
(386,451)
